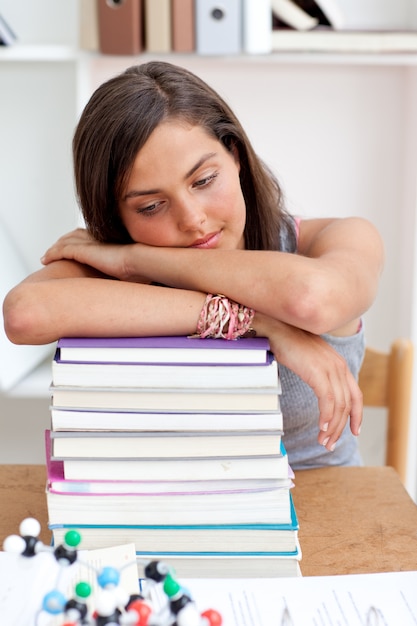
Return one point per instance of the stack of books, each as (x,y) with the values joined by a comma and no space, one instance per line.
(173,443)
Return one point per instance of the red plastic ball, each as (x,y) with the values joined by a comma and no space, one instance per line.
(143,611)
(213,617)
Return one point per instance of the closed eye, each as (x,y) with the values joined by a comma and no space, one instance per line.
(149,210)
(204,182)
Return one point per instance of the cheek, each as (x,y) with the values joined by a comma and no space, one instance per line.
(231,199)
(150,233)
(239,208)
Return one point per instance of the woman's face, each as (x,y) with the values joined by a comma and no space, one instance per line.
(184,191)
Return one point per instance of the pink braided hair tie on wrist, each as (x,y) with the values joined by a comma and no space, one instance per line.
(221,318)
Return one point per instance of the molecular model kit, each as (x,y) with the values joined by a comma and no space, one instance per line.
(111,605)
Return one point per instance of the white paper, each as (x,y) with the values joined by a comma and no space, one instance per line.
(350,600)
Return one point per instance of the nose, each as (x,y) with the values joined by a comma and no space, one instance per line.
(190,214)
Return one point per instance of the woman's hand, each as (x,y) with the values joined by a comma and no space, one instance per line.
(323,369)
(110,259)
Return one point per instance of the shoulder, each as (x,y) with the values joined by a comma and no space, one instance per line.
(321,235)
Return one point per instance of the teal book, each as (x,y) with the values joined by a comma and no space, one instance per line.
(192,540)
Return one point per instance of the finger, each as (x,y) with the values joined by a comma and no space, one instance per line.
(331,391)
(55,253)
(339,403)
(356,413)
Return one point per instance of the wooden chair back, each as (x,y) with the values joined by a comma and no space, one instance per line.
(385,380)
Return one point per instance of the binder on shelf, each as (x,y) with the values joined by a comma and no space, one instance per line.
(88,22)
(257,26)
(218,27)
(120,26)
(158,26)
(183,30)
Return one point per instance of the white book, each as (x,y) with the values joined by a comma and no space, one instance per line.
(161,399)
(191,469)
(257,26)
(258,507)
(290,13)
(150,445)
(170,421)
(193,540)
(165,375)
(220,567)
(57,482)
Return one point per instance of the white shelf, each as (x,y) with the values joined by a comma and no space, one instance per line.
(61,54)
(368,44)
(302,57)
(38,53)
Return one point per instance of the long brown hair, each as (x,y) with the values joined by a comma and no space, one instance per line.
(119,118)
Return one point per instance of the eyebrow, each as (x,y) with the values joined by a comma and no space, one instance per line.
(134,193)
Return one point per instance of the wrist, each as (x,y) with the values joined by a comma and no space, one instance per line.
(221,318)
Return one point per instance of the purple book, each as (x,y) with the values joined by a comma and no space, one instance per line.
(181,349)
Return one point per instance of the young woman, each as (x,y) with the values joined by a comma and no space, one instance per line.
(178,208)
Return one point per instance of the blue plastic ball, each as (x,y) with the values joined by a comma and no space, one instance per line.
(54,602)
(108,577)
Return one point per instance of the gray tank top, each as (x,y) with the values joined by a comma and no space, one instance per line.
(301,417)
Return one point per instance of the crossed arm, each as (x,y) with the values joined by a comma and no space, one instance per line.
(87,288)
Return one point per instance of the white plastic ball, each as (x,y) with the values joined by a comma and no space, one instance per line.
(30,527)
(15,544)
(189,616)
(106,603)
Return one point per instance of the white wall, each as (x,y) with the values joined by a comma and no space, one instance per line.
(42,21)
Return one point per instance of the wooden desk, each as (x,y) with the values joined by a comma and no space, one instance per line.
(352,520)
(355,520)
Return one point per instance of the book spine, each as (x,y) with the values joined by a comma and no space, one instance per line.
(183,25)
(218,27)
(120,27)
(257,26)
(158,26)
(88,23)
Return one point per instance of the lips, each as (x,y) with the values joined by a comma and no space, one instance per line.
(210,241)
